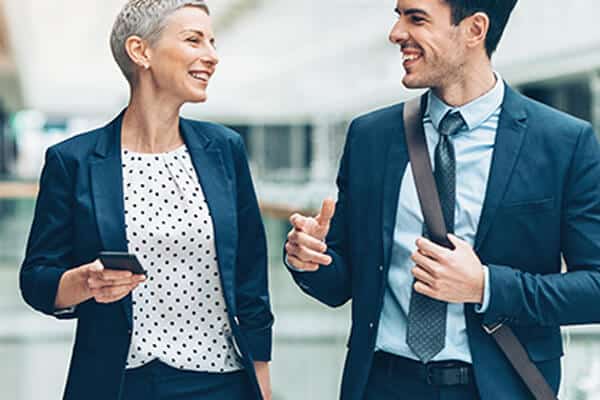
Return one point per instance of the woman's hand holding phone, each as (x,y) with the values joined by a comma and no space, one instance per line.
(95,281)
(108,285)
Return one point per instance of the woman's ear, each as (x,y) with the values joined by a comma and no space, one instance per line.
(137,49)
(477,27)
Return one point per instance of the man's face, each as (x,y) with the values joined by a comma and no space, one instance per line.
(433,49)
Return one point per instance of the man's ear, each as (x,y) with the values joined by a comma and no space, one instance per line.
(476,28)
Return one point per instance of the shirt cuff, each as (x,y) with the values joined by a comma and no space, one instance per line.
(65,313)
(483,307)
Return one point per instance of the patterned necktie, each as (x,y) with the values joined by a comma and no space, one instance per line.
(426,334)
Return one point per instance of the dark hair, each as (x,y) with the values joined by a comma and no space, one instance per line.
(497,10)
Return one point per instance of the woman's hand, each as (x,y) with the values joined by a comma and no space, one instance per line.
(94,281)
(264,378)
(108,286)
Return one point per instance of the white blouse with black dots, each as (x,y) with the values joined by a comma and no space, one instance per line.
(179,313)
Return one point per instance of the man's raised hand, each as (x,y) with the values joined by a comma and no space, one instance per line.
(306,246)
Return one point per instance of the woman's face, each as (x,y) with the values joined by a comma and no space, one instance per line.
(184,58)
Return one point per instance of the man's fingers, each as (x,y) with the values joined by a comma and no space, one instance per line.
(425,290)
(303,239)
(431,266)
(423,275)
(456,241)
(431,249)
(301,265)
(313,257)
(298,221)
(327,211)
(307,255)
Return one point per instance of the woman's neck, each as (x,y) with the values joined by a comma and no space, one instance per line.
(150,124)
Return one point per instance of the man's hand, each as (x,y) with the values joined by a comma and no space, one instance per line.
(453,276)
(305,246)
(264,378)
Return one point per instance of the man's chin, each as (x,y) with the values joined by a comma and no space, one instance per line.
(412,82)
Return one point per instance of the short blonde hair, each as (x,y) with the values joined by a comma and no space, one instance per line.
(146,19)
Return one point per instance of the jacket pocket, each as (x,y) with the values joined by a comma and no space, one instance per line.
(528,207)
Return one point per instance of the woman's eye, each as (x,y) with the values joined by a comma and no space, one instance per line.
(193,40)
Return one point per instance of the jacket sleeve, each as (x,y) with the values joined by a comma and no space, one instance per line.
(572,297)
(252,287)
(49,245)
(332,284)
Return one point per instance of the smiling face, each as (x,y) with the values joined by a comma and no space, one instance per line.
(433,49)
(184,58)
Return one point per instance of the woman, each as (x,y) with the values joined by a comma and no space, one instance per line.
(178,195)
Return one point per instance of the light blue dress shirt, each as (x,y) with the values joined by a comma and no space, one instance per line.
(474,146)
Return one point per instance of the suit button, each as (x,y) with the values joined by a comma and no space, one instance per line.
(381,267)
(129,332)
(371,325)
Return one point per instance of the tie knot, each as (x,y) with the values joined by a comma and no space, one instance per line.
(451,123)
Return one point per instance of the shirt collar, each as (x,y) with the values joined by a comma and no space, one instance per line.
(474,113)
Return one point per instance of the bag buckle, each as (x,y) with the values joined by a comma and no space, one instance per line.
(491,329)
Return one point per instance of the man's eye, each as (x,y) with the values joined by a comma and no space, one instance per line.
(417,20)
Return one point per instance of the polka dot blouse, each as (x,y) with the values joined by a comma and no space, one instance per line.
(179,313)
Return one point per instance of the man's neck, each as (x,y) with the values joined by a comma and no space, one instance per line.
(472,85)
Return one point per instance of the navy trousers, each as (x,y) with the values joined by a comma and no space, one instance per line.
(158,381)
(398,381)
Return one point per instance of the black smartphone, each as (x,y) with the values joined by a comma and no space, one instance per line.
(122,261)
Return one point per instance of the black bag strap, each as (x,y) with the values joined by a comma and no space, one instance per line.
(429,200)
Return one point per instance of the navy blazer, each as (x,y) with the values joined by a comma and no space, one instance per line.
(543,200)
(80,212)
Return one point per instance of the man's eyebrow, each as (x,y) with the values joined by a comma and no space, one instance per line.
(411,11)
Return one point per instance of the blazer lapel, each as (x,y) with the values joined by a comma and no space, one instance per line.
(218,192)
(509,140)
(397,160)
(107,193)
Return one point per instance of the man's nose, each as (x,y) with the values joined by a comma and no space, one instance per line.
(398,34)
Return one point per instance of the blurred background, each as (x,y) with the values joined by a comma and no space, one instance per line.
(292,75)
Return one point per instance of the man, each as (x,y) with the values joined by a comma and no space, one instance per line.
(521,181)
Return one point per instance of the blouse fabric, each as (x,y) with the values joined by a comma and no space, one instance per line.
(179,313)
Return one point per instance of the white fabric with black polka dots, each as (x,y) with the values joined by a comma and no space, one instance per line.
(179,313)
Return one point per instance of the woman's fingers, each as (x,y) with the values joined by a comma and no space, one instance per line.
(113,293)
(97,283)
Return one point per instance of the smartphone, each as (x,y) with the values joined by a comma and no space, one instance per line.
(122,261)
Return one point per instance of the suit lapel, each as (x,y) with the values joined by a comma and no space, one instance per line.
(107,192)
(397,160)
(218,192)
(509,140)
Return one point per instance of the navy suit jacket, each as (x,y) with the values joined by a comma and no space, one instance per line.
(543,200)
(80,212)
